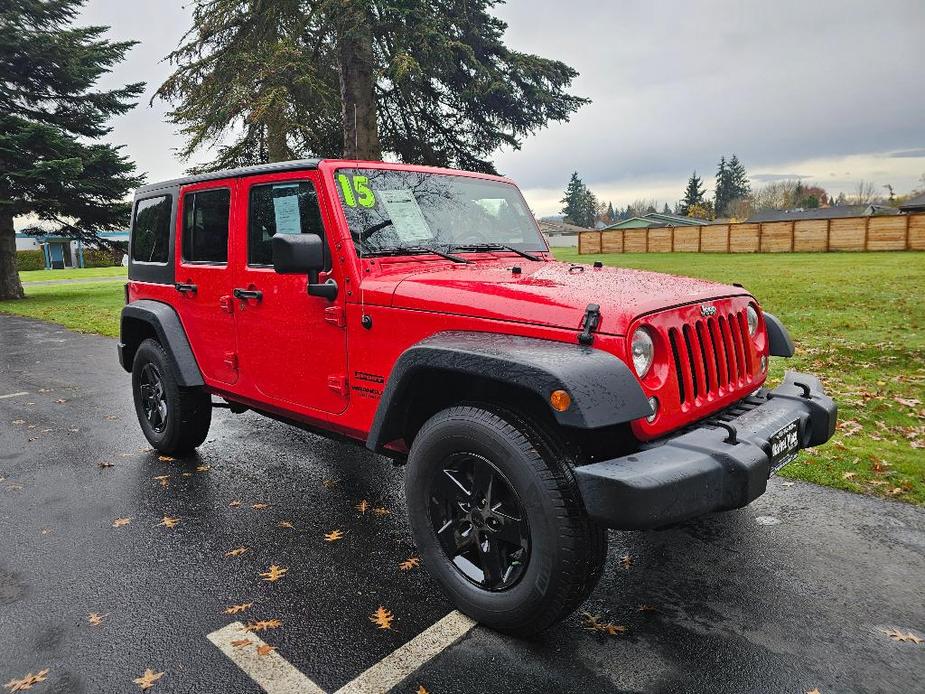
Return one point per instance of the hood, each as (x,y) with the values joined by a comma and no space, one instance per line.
(549,293)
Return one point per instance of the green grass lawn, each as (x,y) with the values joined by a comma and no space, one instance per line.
(858,321)
(88,307)
(71,273)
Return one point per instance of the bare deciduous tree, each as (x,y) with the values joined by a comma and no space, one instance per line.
(864,192)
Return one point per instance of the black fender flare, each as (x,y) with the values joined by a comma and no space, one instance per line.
(778,338)
(603,388)
(165,322)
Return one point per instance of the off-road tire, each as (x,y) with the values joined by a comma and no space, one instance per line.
(189,410)
(567,548)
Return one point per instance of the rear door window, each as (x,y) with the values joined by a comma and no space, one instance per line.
(205,226)
(151,230)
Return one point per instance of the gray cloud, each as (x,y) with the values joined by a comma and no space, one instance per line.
(769,177)
(908,153)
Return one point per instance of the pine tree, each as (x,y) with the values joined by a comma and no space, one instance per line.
(52,118)
(611,215)
(429,83)
(693,195)
(723,193)
(666,209)
(741,187)
(573,202)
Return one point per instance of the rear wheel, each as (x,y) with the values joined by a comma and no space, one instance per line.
(497,517)
(174,419)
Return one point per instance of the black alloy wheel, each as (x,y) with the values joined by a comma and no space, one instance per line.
(479,521)
(153,400)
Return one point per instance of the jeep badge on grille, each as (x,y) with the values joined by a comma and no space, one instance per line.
(707,310)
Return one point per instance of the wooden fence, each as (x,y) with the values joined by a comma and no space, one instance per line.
(904,232)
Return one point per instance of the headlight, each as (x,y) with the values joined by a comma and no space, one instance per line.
(643,351)
(751,315)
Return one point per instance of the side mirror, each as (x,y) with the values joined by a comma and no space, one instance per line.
(303,254)
(298,254)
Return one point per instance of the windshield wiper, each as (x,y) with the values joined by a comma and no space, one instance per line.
(494,247)
(407,250)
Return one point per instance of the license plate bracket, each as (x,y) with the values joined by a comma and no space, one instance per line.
(785,444)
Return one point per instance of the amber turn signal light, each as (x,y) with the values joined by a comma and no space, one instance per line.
(560,400)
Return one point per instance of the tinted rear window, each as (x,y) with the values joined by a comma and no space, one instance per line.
(205,226)
(151,230)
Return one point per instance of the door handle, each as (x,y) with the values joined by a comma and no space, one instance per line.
(245,294)
(185,288)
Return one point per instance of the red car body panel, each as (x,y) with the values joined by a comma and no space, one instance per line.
(311,360)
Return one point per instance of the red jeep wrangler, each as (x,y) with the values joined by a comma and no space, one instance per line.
(418,311)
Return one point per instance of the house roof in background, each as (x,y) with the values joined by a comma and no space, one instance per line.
(657,219)
(916,203)
(822,213)
(560,228)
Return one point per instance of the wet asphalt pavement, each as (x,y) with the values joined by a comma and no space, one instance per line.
(789,594)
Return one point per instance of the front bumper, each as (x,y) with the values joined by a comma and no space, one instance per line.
(705,468)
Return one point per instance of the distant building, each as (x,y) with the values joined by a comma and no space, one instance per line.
(560,234)
(61,252)
(916,204)
(655,220)
(822,213)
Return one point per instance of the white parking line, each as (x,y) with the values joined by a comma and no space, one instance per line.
(12,395)
(276,675)
(272,672)
(406,659)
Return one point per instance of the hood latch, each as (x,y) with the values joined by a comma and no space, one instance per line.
(591,320)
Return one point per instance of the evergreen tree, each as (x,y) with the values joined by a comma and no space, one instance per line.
(666,209)
(724,187)
(741,187)
(429,83)
(52,118)
(693,195)
(611,215)
(573,204)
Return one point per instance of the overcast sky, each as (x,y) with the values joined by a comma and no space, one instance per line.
(830,91)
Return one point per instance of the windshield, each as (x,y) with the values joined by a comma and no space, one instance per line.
(392,210)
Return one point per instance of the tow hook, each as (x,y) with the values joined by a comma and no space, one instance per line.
(591,320)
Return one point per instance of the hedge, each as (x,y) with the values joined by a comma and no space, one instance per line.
(30,260)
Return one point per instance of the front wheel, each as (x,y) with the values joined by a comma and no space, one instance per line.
(496,514)
(174,419)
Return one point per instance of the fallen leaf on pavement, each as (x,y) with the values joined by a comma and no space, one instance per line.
(382,618)
(363,506)
(594,623)
(334,536)
(235,609)
(147,680)
(258,507)
(328,484)
(236,552)
(626,560)
(381,511)
(647,608)
(262,625)
(265,649)
(234,503)
(241,643)
(96,619)
(410,563)
(898,635)
(203,468)
(164,458)
(105,464)
(422,689)
(285,524)
(60,401)
(19,421)
(164,480)
(274,573)
(169,522)
(27,681)
(119,522)
(814,690)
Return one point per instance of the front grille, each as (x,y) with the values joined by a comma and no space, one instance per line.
(711,355)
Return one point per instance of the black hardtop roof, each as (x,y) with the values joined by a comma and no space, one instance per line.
(255,170)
